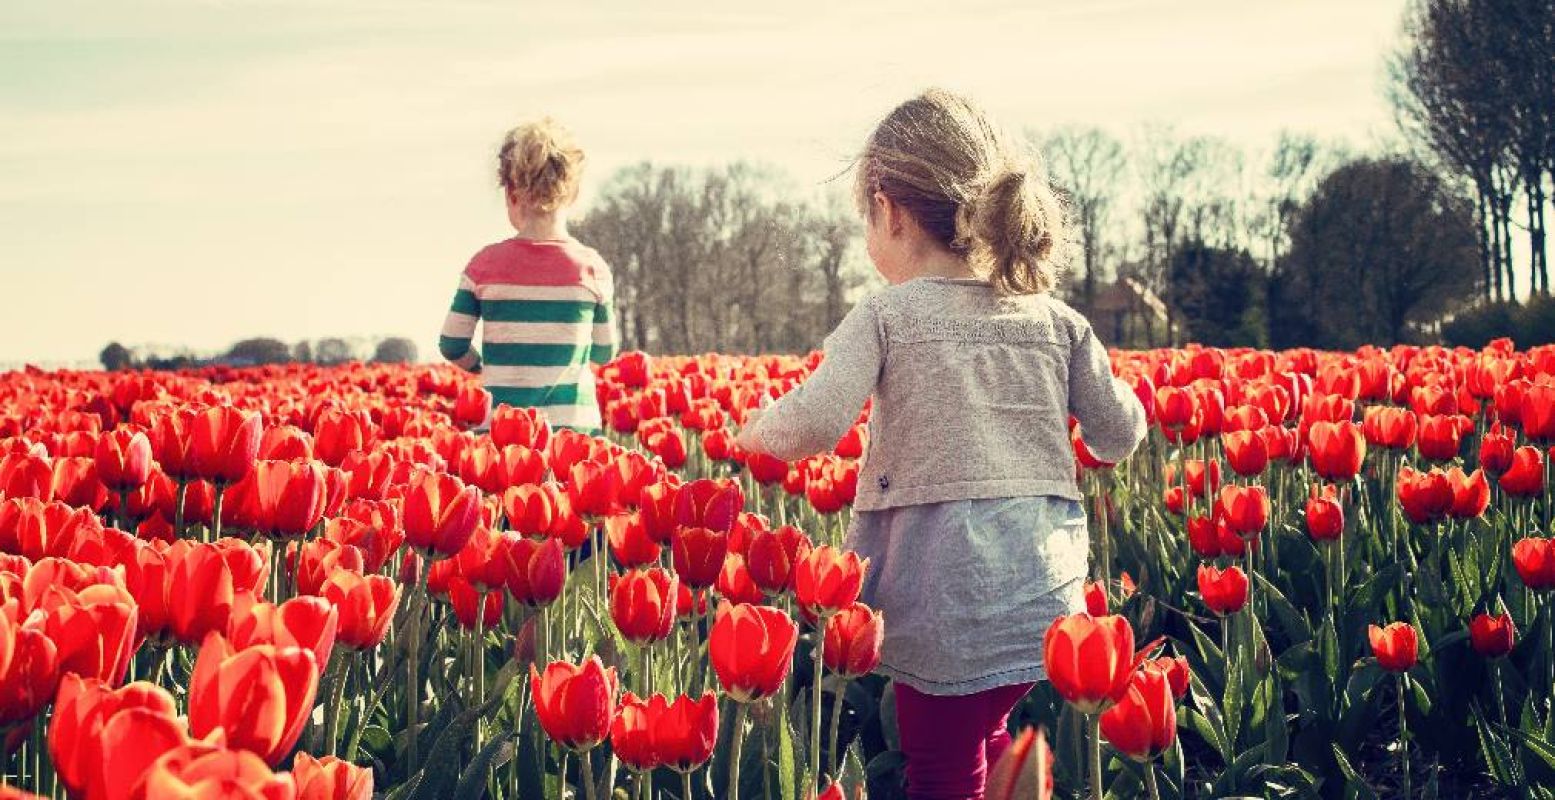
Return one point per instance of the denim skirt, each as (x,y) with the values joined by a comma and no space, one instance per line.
(969,587)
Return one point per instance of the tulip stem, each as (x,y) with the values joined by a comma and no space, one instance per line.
(216,514)
(1155,790)
(337,694)
(1403,732)
(178,508)
(412,667)
(124,512)
(736,743)
(815,695)
(1096,757)
(836,720)
(685,786)
(647,679)
(586,772)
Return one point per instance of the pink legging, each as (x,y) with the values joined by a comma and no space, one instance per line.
(952,741)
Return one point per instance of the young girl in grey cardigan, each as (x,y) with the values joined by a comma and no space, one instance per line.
(967,506)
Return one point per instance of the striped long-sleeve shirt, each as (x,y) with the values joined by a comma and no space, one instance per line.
(546,310)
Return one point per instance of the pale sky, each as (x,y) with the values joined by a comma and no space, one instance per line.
(196,172)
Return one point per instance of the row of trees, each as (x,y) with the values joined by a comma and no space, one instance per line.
(1474,86)
(732,259)
(265,350)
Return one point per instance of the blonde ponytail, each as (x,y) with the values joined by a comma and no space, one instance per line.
(539,161)
(971,188)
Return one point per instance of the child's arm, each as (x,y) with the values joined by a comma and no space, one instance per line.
(459,327)
(1112,421)
(811,418)
(606,340)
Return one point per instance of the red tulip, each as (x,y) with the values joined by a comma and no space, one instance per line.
(1425,496)
(223,444)
(1325,516)
(199,770)
(709,503)
(718,445)
(1496,448)
(631,735)
(1143,723)
(771,556)
(285,443)
(1096,598)
(197,570)
(853,639)
(595,488)
(373,527)
(365,604)
(101,739)
(329,778)
(1246,452)
(337,434)
(1224,591)
(530,509)
(684,731)
(320,558)
(642,605)
(575,703)
(123,459)
(751,649)
(1337,449)
(27,475)
(288,498)
(29,663)
(734,581)
(93,628)
(473,606)
(1470,493)
(1178,676)
(1174,407)
(698,555)
(306,622)
(1441,436)
(1394,646)
(1534,560)
(1024,772)
(1244,508)
(527,427)
(1525,476)
(261,696)
(1492,636)
(441,514)
(629,540)
(1537,413)
(1389,427)
(532,572)
(1089,659)
(828,579)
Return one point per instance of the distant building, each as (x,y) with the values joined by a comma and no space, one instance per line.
(1127,314)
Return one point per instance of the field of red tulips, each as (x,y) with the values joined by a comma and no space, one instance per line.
(1323,575)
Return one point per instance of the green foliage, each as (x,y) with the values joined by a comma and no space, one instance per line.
(1528,324)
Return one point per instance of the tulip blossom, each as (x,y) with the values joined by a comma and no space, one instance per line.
(1525,476)
(629,540)
(198,770)
(1246,452)
(532,572)
(100,738)
(306,622)
(1492,636)
(329,778)
(698,555)
(734,581)
(1096,598)
(1024,772)
(1223,591)
(1244,508)
(1089,659)
(575,703)
(261,695)
(1425,496)
(1324,514)
(124,460)
(441,514)
(365,606)
(751,648)
(1337,449)
(828,579)
(771,556)
(1143,723)
(631,735)
(29,662)
(642,605)
(530,509)
(1470,493)
(223,444)
(1395,646)
(853,639)
(1496,449)
(1534,559)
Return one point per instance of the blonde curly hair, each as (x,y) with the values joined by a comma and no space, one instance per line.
(540,162)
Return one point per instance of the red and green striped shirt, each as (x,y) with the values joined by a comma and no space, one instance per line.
(546,312)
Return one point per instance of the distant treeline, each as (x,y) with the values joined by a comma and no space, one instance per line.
(264,350)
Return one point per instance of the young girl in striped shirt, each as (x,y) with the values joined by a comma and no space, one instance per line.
(544,299)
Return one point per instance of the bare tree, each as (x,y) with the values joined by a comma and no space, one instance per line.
(1087,164)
